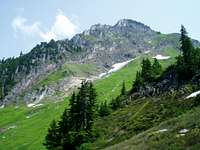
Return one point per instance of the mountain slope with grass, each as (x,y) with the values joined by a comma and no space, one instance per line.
(98,48)
(124,128)
(153,117)
(146,94)
(177,132)
(25,127)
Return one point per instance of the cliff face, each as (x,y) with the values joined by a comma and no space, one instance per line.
(101,45)
(107,44)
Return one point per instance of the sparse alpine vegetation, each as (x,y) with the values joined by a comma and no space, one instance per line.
(144,105)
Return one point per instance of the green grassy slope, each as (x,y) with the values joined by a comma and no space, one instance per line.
(140,115)
(168,135)
(28,133)
(25,128)
(68,70)
(110,87)
(27,125)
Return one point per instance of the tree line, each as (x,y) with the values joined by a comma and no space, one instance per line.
(13,70)
(188,64)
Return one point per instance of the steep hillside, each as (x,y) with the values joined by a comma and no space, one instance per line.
(136,118)
(143,81)
(156,113)
(101,46)
(24,127)
(180,132)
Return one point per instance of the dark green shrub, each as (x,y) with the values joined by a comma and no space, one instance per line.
(104,109)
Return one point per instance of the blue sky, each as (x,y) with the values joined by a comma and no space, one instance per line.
(25,23)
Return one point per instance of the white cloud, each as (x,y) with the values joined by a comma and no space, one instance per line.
(63,26)
(20,25)
(60,29)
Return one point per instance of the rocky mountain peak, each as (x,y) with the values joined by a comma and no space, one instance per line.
(101,45)
(131,24)
(98,26)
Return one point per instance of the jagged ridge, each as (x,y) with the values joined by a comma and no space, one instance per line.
(101,45)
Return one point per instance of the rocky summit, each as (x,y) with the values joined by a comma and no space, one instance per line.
(26,78)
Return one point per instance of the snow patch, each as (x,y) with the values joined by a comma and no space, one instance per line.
(34,105)
(2,106)
(30,105)
(11,127)
(162,130)
(41,96)
(118,66)
(102,74)
(146,52)
(193,94)
(115,68)
(38,105)
(182,134)
(161,57)
(183,131)
(149,42)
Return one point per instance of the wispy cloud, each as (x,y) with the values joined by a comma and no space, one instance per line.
(61,28)
(20,26)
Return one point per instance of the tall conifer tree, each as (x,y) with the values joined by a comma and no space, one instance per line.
(123,90)
(76,123)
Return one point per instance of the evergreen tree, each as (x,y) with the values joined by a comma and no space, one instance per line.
(116,103)
(63,129)
(82,104)
(186,44)
(73,111)
(156,68)
(13,70)
(123,90)
(104,109)
(146,72)
(91,106)
(21,54)
(76,124)
(138,82)
(186,64)
(52,138)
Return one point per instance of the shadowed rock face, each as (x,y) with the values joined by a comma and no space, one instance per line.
(101,45)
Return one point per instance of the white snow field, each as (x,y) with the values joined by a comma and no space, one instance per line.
(161,57)
(116,67)
(193,94)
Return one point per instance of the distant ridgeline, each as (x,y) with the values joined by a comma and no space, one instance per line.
(101,45)
(13,70)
